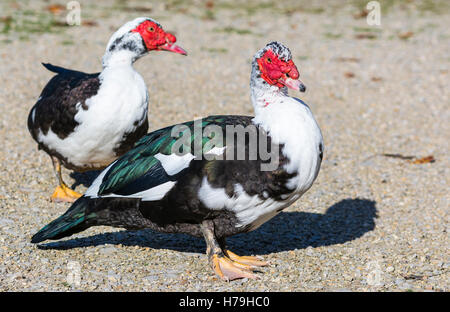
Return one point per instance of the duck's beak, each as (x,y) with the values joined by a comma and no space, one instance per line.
(294,84)
(173,48)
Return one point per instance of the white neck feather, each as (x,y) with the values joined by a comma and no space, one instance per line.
(118,58)
(272,105)
(289,122)
(123,50)
(278,114)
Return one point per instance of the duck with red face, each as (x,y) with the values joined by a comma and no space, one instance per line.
(138,37)
(278,70)
(155,38)
(85,121)
(153,186)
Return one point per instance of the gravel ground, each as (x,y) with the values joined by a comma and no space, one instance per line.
(369,223)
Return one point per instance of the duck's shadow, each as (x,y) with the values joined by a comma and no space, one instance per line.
(342,222)
(84,178)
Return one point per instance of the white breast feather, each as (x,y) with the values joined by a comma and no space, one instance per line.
(121,100)
(290,123)
(248,209)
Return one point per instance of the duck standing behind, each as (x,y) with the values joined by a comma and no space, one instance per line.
(85,121)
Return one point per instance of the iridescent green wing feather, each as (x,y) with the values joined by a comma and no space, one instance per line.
(139,169)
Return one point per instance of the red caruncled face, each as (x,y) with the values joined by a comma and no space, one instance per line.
(275,71)
(155,38)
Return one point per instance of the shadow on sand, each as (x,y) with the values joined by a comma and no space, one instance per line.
(83,178)
(344,221)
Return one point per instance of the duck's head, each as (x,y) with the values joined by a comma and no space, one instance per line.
(138,37)
(273,68)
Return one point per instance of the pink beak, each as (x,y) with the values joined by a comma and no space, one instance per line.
(294,84)
(173,48)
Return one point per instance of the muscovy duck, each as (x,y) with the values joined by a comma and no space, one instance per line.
(161,184)
(85,121)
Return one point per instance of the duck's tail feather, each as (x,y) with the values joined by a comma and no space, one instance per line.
(65,71)
(53,68)
(75,220)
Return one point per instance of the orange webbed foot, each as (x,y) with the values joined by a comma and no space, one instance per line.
(229,270)
(64,194)
(249,260)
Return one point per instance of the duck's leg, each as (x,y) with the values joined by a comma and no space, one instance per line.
(223,266)
(62,193)
(249,260)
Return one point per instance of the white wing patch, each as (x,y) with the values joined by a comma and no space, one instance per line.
(92,191)
(174,163)
(154,193)
(216,151)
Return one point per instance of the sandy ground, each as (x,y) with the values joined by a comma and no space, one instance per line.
(370,222)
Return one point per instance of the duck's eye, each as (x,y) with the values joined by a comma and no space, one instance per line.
(269,60)
(151,29)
